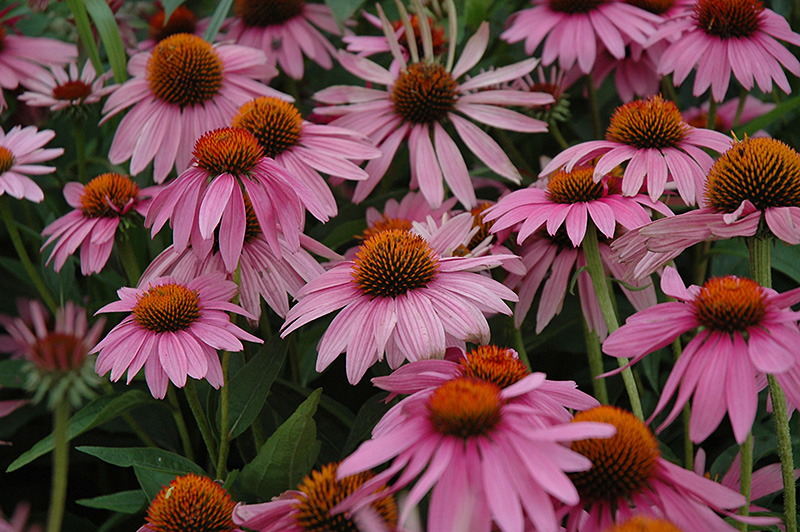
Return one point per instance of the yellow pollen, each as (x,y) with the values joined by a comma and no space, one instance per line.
(574,6)
(108,195)
(321,492)
(424,93)
(182,20)
(658,7)
(394,262)
(384,224)
(576,186)
(651,123)
(465,407)
(228,150)
(191,503)
(263,13)
(730,304)
(168,307)
(6,160)
(275,123)
(72,90)
(184,70)
(645,524)
(763,170)
(498,365)
(622,465)
(728,19)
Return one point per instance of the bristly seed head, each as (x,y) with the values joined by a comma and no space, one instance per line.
(72,90)
(229,150)
(730,304)
(651,123)
(498,365)
(263,13)
(6,160)
(275,123)
(191,503)
(182,20)
(729,19)
(108,195)
(658,7)
(168,307)
(641,523)
(384,224)
(184,70)
(576,186)
(572,7)
(424,93)
(465,407)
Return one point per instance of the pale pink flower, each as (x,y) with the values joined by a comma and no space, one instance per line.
(487,456)
(21,149)
(180,90)
(228,172)
(61,89)
(746,329)
(572,32)
(174,330)
(657,144)
(98,208)
(19,520)
(636,74)
(285,31)
(640,482)
(419,98)
(720,37)
(402,299)
(24,57)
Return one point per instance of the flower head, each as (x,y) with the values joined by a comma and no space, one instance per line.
(419,99)
(285,30)
(21,149)
(181,89)
(174,329)
(308,508)
(720,37)
(191,502)
(98,209)
(628,472)
(64,89)
(641,523)
(409,303)
(746,330)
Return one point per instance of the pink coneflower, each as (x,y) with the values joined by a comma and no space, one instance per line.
(420,97)
(653,138)
(56,350)
(305,149)
(23,57)
(229,165)
(180,90)
(62,89)
(174,329)
(308,508)
(726,114)
(755,184)
(191,502)
(285,30)
(401,299)
(21,149)
(723,36)
(487,456)
(746,329)
(99,207)
(629,477)
(572,31)
(181,20)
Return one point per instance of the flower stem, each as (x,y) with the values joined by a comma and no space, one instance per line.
(594,107)
(739,108)
(688,446)
(552,126)
(519,343)
(127,257)
(58,489)
(746,453)
(595,363)
(183,432)
(224,436)
(30,269)
(591,250)
(190,390)
(711,119)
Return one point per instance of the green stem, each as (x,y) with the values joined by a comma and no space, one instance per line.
(519,343)
(190,390)
(594,264)
(183,431)
(668,88)
(711,119)
(740,107)
(746,453)
(552,126)
(594,107)
(688,446)
(595,363)
(127,257)
(132,423)
(58,489)
(224,429)
(80,148)
(514,154)
(16,239)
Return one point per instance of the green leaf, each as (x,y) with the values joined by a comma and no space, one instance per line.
(143,456)
(153,479)
(106,25)
(126,502)
(169,7)
(11,373)
(85,33)
(476,11)
(765,120)
(217,19)
(251,385)
(287,456)
(92,415)
(368,416)
(343,9)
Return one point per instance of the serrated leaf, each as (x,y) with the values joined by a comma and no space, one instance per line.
(343,9)
(169,7)
(368,416)
(217,19)
(92,415)
(127,502)
(106,25)
(251,385)
(145,456)
(11,373)
(287,456)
